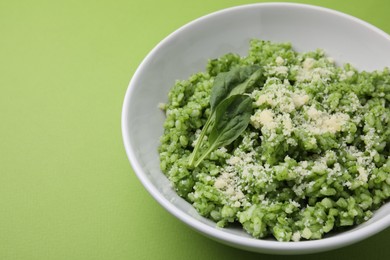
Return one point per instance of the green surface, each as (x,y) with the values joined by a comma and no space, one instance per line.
(67,190)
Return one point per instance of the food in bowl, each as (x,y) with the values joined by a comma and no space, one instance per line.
(286,144)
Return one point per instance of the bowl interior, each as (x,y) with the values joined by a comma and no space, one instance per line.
(187,50)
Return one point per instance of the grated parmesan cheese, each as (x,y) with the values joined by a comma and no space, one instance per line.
(279,60)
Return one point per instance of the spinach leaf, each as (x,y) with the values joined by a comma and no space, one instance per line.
(236,81)
(200,139)
(226,82)
(249,84)
(232,117)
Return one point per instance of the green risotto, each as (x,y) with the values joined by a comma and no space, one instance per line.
(285,144)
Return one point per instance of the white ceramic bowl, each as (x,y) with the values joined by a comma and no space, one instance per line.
(186,51)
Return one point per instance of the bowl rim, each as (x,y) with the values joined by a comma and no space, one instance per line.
(248,243)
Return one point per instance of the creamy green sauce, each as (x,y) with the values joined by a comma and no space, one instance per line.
(313,159)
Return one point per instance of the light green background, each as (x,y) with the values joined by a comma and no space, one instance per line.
(67,190)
